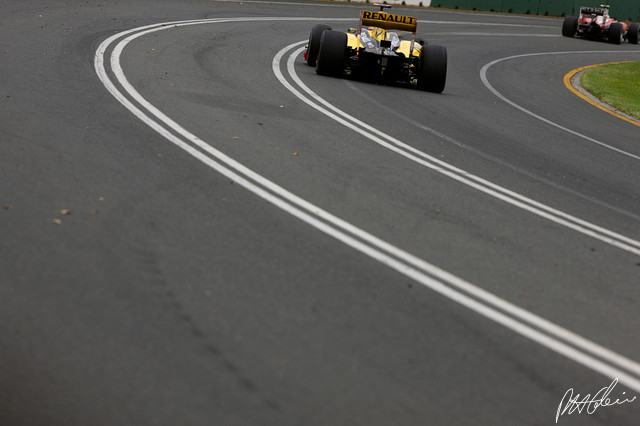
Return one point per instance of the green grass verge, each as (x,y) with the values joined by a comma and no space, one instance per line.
(615,84)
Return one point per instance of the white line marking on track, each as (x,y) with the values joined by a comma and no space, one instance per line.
(485,81)
(462,176)
(470,34)
(527,324)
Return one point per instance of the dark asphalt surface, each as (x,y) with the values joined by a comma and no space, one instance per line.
(172,295)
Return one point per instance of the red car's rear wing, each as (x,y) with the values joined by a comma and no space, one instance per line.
(599,11)
(388,21)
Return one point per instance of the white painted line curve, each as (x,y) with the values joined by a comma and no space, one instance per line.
(485,81)
(527,324)
(612,238)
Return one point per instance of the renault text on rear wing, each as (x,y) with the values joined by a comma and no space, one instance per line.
(388,21)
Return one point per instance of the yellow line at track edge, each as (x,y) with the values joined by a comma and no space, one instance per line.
(567,82)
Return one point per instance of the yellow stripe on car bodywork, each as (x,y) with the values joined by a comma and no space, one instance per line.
(405,48)
(353,42)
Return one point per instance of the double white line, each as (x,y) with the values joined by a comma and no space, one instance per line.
(525,323)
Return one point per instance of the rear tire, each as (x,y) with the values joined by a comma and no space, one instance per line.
(332,53)
(433,68)
(570,26)
(632,33)
(314,43)
(615,33)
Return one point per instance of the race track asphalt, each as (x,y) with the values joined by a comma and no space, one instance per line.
(249,256)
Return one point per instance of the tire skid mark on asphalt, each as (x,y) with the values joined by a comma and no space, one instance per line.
(490,306)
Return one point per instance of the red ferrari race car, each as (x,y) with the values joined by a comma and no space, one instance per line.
(594,23)
(383,49)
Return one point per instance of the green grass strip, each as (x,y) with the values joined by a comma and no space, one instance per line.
(615,84)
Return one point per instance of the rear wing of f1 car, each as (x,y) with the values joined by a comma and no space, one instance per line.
(598,11)
(388,21)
